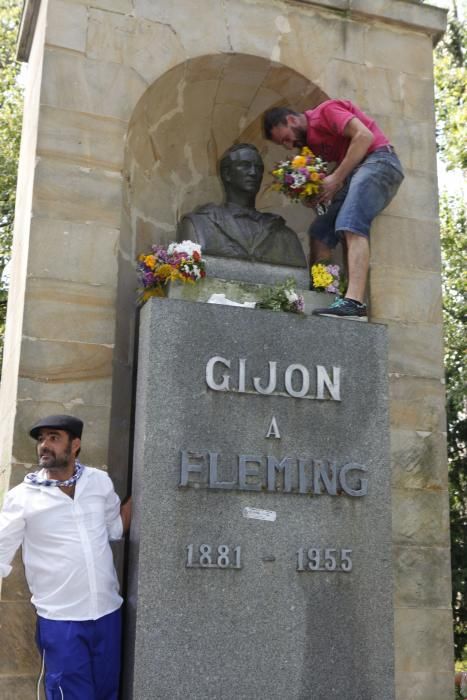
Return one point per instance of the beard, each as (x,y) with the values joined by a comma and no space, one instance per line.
(48,459)
(300,136)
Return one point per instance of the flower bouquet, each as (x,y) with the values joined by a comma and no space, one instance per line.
(282,297)
(327,278)
(179,261)
(300,178)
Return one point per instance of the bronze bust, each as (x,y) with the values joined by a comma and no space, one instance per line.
(237,229)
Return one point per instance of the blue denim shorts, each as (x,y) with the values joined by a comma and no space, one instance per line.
(366,192)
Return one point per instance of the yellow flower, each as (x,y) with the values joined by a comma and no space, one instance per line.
(299,162)
(152,292)
(176,275)
(165,271)
(315,177)
(306,151)
(150,261)
(278,172)
(320,276)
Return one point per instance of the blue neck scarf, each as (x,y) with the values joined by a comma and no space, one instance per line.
(35,480)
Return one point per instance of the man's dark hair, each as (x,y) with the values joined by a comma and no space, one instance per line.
(275,116)
(226,160)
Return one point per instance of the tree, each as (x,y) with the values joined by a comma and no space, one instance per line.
(451,113)
(453,213)
(451,92)
(11,106)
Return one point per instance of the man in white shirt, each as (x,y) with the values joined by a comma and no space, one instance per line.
(64,515)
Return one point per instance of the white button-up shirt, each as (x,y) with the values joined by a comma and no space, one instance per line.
(66,552)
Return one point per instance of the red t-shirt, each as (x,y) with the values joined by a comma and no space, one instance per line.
(326,124)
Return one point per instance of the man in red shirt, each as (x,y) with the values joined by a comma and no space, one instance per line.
(366,178)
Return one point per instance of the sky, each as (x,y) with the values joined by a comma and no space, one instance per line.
(461,5)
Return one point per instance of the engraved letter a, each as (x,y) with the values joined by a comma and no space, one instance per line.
(273,430)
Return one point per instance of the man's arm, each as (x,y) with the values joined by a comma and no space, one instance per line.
(125,514)
(361,139)
(12,526)
(117,515)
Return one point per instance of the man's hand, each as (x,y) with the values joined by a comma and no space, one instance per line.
(329,186)
(310,203)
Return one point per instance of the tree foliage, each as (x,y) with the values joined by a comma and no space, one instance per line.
(11,106)
(451,92)
(451,113)
(454,247)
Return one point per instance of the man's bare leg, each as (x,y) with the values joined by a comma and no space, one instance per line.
(319,251)
(358,261)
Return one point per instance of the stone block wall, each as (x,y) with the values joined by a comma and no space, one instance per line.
(130,104)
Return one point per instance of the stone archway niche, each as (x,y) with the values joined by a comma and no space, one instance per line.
(183,124)
(179,129)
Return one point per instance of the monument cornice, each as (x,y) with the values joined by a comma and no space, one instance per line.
(410,13)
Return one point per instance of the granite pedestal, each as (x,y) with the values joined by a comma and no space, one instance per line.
(260,563)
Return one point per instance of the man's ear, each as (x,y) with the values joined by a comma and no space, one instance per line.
(75,445)
(293,120)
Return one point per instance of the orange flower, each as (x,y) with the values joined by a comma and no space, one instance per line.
(299,162)
(150,261)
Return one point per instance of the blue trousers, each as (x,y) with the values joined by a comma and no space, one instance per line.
(82,659)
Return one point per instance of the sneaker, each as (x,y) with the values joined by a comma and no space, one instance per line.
(344,308)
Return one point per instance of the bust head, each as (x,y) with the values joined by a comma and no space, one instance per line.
(241,171)
(236,229)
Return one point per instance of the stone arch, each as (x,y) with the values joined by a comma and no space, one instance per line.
(178,130)
(182,125)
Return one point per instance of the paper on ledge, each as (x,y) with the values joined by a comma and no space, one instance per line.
(222,299)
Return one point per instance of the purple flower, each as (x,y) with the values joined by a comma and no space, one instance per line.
(160,253)
(148,278)
(298,305)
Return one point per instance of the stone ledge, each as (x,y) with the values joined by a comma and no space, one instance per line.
(255,272)
(240,292)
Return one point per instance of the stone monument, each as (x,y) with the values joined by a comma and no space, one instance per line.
(128,106)
(260,559)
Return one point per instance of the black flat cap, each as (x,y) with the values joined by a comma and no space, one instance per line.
(60,422)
